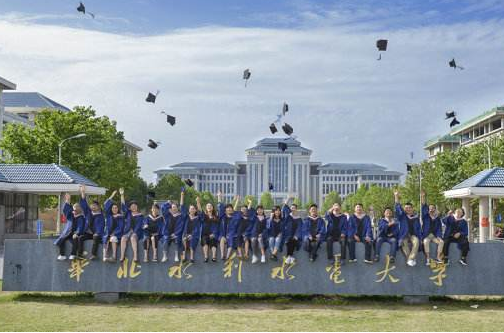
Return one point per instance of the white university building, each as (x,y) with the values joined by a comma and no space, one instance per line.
(289,172)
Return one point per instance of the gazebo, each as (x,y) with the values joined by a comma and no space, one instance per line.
(485,185)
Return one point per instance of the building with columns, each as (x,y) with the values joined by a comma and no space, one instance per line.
(268,169)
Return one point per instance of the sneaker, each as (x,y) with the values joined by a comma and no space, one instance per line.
(214,259)
(92,257)
(254,259)
(368,261)
(392,260)
(376,259)
(463,261)
(105,259)
(427,262)
(263,259)
(273,257)
(410,263)
(165,257)
(176,258)
(61,258)
(72,257)
(439,261)
(414,262)
(311,259)
(352,260)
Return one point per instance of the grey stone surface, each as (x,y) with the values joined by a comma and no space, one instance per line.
(1,261)
(107,297)
(415,299)
(31,265)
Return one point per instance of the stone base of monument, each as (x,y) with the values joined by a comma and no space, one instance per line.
(415,299)
(107,297)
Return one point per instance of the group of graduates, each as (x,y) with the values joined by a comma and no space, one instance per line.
(248,230)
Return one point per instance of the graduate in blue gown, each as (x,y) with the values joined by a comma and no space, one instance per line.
(152,228)
(133,230)
(175,217)
(313,232)
(229,218)
(114,225)
(244,230)
(192,230)
(75,227)
(95,225)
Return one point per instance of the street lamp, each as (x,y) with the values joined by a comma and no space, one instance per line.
(490,200)
(58,218)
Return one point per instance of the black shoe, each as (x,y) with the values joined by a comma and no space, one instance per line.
(392,260)
(463,261)
(446,261)
(192,261)
(206,259)
(273,257)
(376,259)
(214,260)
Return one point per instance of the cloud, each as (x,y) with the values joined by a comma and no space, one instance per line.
(345,105)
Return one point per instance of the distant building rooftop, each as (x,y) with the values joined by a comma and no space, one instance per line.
(199,165)
(447,138)
(499,110)
(352,166)
(6,84)
(271,145)
(31,100)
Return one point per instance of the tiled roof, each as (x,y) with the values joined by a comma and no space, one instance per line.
(41,174)
(271,145)
(487,178)
(199,165)
(352,166)
(16,99)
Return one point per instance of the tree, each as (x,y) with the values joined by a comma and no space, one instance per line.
(298,202)
(267,200)
(330,199)
(354,198)
(169,188)
(308,204)
(379,198)
(100,156)
(207,197)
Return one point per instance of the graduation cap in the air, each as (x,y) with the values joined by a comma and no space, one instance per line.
(285,108)
(273,128)
(453,64)
(82,9)
(287,129)
(454,122)
(381,44)
(409,167)
(270,186)
(169,119)
(153,144)
(450,114)
(246,75)
(151,98)
(282,146)
(189,182)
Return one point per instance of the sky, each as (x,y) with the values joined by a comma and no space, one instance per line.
(318,56)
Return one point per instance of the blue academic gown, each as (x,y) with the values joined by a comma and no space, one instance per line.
(403,224)
(196,232)
(110,228)
(70,225)
(98,227)
(450,221)
(427,221)
(351,229)
(152,225)
(321,229)
(330,223)
(175,224)
(228,227)
(293,227)
(383,229)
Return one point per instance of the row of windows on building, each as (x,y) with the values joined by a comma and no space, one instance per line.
(340,172)
(225,188)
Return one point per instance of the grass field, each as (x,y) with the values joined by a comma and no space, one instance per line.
(71,311)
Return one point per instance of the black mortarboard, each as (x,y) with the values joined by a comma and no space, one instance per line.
(381,44)
(170,119)
(408,167)
(152,144)
(282,146)
(273,128)
(453,64)
(189,182)
(82,9)
(246,75)
(270,186)
(285,108)
(454,122)
(287,129)
(151,98)
(450,114)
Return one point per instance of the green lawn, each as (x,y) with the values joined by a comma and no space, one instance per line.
(71,312)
